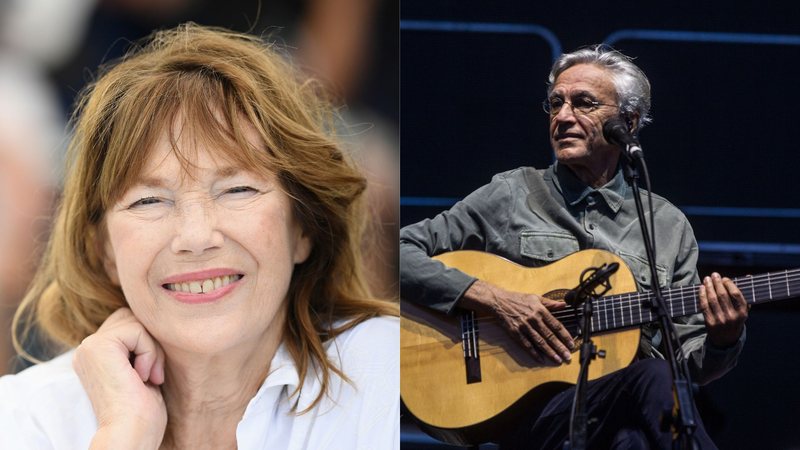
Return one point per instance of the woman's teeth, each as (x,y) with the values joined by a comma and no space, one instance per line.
(203,286)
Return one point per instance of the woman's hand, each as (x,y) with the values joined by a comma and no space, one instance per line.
(121,368)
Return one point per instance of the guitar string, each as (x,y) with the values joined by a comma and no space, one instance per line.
(637,297)
(618,303)
(753,285)
(570,318)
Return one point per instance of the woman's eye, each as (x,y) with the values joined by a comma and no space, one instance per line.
(145,201)
(240,189)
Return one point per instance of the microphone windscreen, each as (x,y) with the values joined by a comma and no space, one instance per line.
(615,131)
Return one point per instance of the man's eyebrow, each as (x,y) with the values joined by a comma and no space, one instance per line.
(583,93)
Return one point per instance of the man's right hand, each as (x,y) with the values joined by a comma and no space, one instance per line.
(526,317)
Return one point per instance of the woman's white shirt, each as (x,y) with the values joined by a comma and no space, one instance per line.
(45,406)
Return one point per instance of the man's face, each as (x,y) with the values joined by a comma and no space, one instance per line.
(577,136)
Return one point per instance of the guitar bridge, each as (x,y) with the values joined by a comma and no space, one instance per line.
(469,345)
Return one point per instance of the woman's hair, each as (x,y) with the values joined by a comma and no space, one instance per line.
(215,83)
(633,87)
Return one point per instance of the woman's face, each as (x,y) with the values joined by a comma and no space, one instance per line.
(204,258)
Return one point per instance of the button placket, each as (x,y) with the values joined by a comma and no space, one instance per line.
(589,224)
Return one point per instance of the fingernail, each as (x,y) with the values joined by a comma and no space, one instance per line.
(707,279)
(715,275)
(567,357)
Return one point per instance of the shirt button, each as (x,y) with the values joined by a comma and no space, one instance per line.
(591,226)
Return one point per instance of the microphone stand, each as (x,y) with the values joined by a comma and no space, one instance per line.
(579,419)
(682,418)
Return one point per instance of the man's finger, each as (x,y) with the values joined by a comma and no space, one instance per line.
(737,297)
(560,332)
(542,345)
(711,298)
(723,299)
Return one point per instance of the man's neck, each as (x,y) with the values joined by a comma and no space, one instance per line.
(595,175)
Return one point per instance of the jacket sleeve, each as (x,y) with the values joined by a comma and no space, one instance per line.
(469,225)
(706,362)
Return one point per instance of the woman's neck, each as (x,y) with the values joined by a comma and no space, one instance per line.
(206,395)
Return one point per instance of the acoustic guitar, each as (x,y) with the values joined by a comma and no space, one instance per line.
(465,380)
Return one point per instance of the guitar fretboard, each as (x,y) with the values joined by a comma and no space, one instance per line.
(632,309)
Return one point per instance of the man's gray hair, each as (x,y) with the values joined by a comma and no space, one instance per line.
(633,88)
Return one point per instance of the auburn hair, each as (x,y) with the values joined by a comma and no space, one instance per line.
(218,83)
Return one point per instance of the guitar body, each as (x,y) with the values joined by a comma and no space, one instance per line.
(434,384)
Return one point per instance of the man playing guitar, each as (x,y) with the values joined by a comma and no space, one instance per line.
(535,217)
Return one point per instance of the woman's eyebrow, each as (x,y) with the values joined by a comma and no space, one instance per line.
(151,182)
(158,182)
(226,172)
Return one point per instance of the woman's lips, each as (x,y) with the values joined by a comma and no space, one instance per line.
(203,286)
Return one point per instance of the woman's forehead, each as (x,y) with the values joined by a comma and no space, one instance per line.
(188,147)
(166,165)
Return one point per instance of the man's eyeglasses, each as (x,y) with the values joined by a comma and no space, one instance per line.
(581,105)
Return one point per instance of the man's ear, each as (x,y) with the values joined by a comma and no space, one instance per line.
(632,121)
(106,252)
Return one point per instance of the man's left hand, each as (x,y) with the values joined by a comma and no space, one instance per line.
(724,309)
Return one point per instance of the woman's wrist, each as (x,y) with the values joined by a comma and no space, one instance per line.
(127,436)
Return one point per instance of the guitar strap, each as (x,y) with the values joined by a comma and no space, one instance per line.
(546,202)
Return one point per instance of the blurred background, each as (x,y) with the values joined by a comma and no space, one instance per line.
(722,146)
(49,49)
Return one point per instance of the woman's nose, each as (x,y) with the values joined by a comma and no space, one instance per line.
(196,228)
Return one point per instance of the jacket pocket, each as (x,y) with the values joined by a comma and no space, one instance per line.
(547,246)
(641,271)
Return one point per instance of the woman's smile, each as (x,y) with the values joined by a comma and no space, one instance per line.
(195,290)
(203,286)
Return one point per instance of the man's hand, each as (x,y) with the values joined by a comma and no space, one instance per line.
(526,317)
(724,308)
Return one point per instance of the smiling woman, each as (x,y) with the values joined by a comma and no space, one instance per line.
(204,275)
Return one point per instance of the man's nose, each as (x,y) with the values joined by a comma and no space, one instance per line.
(567,112)
(196,228)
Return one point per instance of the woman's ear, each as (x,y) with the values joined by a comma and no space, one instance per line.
(302,248)
(106,252)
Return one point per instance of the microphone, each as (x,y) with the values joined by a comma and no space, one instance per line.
(615,131)
(600,276)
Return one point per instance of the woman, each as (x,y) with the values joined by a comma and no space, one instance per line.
(205,262)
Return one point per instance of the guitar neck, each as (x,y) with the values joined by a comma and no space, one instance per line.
(627,310)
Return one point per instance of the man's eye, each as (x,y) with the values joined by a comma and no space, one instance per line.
(556,102)
(583,102)
(145,201)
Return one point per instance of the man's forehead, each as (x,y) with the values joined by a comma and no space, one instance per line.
(585,78)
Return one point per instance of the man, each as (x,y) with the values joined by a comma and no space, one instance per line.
(534,217)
